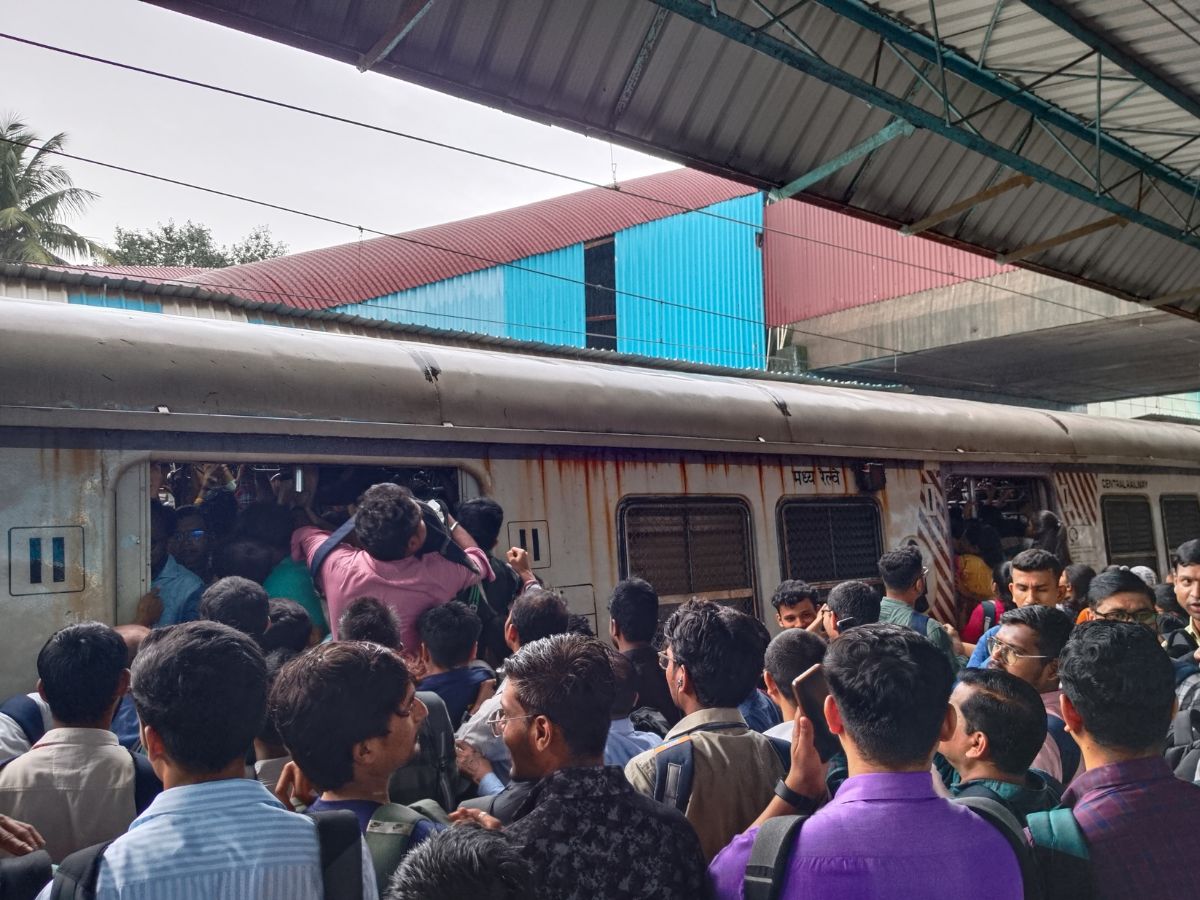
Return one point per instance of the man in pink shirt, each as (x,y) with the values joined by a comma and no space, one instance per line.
(387,561)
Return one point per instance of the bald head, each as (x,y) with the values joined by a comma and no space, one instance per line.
(132,635)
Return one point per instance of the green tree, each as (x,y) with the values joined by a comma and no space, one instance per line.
(35,196)
(190,244)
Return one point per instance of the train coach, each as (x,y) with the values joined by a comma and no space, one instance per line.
(707,484)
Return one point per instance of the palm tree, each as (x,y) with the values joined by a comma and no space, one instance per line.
(35,195)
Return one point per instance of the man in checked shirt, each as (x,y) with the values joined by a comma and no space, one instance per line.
(1140,821)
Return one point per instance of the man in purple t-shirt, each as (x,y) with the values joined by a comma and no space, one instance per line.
(886,835)
(388,563)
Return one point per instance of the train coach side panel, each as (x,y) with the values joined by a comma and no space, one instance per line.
(575,501)
(54,553)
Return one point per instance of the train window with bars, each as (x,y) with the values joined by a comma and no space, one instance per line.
(1181,518)
(827,541)
(690,547)
(1129,531)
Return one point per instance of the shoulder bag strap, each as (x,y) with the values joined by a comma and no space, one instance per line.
(1061,850)
(146,785)
(25,711)
(389,838)
(77,875)
(767,868)
(999,817)
(341,854)
(674,768)
(342,532)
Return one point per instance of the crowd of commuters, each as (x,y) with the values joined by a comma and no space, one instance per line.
(369,703)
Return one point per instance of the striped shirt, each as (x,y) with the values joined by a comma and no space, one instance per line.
(227,838)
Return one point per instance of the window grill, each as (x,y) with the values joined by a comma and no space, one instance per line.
(690,548)
(1181,518)
(828,541)
(1129,531)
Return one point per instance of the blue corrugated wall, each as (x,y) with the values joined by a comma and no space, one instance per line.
(709,273)
(544,295)
(471,302)
(539,298)
(689,287)
(116,301)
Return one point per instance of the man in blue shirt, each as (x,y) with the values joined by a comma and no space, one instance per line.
(177,587)
(449,641)
(624,740)
(200,692)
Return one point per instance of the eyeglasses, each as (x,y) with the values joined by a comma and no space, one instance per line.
(497,720)
(194,534)
(664,660)
(1147,617)
(1003,651)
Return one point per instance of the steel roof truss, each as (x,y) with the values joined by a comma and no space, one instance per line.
(936,218)
(1065,238)
(410,14)
(1062,19)
(963,67)
(959,118)
(737,30)
(896,128)
(776,19)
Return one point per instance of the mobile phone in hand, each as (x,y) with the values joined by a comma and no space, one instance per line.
(810,690)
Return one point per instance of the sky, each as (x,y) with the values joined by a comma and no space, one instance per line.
(347,173)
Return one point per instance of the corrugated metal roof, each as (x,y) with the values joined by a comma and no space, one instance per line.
(150,273)
(351,273)
(818,261)
(680,84)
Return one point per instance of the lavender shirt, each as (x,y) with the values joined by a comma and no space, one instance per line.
(886,837)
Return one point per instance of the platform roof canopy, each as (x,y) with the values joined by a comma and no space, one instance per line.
(1060,134)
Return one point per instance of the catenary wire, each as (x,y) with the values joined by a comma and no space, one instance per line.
(677,207)
(475,257)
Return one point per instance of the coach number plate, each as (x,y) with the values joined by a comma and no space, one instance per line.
(45,560)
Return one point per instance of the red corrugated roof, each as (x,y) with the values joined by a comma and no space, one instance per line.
(150,273)
(351,273)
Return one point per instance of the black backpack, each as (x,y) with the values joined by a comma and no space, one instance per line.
(1183,744)
(23,877)
(341,862)
(146,785)
(432,774)
(675,765)
(767,868)
(23,710)
(1180,644)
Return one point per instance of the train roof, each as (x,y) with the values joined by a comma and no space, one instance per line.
(69,366)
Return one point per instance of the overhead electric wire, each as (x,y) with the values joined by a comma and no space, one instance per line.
(677,207)
(895,353)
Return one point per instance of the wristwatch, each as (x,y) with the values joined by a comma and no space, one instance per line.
(803,805)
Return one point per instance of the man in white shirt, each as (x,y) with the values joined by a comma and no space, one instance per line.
(76,785)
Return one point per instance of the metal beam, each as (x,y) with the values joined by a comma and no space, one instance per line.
(1074,234)
(896,128)
(967,69)
(1051,10)
(634,78)
(966,203)
(1168,299)
(410,14)
(737,30)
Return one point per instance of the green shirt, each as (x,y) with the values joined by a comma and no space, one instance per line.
(291,579)
(897,613)
(1021,800)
